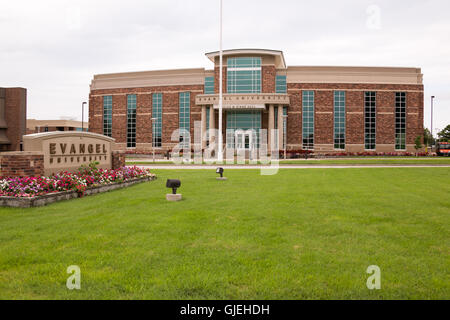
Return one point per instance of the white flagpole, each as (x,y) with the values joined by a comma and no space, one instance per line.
(220,153)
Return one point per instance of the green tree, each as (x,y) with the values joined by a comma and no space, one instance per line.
(418,143)
(428,140)
(444,135)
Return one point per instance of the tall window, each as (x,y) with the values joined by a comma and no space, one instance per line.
(280,84)
(244,75)
(400,120)
(107,116)
(209,85)
(157,124)
(308,120)
(185,122)
(370,112)
(131,121)
(339,120)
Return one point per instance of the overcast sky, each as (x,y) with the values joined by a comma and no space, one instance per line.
(53,48)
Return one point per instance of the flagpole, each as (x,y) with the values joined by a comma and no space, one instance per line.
(220,153)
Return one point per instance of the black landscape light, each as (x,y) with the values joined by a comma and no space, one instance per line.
(174,184)
(220,171)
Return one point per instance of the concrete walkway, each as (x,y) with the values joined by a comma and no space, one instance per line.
(292,166)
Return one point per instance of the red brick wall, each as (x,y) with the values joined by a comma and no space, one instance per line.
(143,121)
(170,121)
(414,116)
(268,79)
(385,122)
(119,118)
(20,164)
(354,106)
(118,159)
(324,114)
(15,115)
(294,121)
(323,118)
(96,114)
(216,79)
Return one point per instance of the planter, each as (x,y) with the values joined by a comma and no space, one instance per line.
(28,202)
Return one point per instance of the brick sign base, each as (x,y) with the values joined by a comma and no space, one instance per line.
(21,164)
(31,163)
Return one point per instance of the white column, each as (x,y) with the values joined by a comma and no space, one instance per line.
(203,126)
(212,124)
(271,126)
(280,127)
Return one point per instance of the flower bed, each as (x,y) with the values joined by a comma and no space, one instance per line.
(79,183)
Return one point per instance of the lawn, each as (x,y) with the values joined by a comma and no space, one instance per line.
(300,234)
(337,161)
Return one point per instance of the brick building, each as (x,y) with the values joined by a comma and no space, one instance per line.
(13,114)
(38,126)
(324,109)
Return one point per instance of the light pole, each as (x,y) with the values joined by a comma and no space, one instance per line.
(153,138)
(284,133)
(82,116)
(220,155)
(431,142)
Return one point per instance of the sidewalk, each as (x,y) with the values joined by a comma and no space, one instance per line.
(292,166)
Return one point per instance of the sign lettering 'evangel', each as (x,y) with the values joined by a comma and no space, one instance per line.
(67,151)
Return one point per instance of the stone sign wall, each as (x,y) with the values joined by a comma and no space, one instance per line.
(67,151)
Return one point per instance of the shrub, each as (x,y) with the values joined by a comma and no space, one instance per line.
(86,177)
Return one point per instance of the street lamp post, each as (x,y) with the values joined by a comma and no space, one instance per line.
(431,142)
(153,138)
(284,133)
(220,154)
(82,115)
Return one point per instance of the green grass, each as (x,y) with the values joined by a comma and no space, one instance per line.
(342,161)
(300,234)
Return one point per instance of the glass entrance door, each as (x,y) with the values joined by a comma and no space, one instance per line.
(244,139)
(243,129)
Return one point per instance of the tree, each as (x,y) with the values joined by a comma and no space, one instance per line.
(444,135)
(418,143)
(428,140)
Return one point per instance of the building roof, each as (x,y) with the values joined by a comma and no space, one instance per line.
(295,74)
(33,123)
(334,74)
(192,76)
(280,63)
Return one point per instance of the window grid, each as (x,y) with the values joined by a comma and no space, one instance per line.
(370,120)
(209,85)
(243,120)
(185,118)
(157,124)
(244,75)
(308,120)
(339,120)
(131,121)
(107,116)
(400,121)
(280,84)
